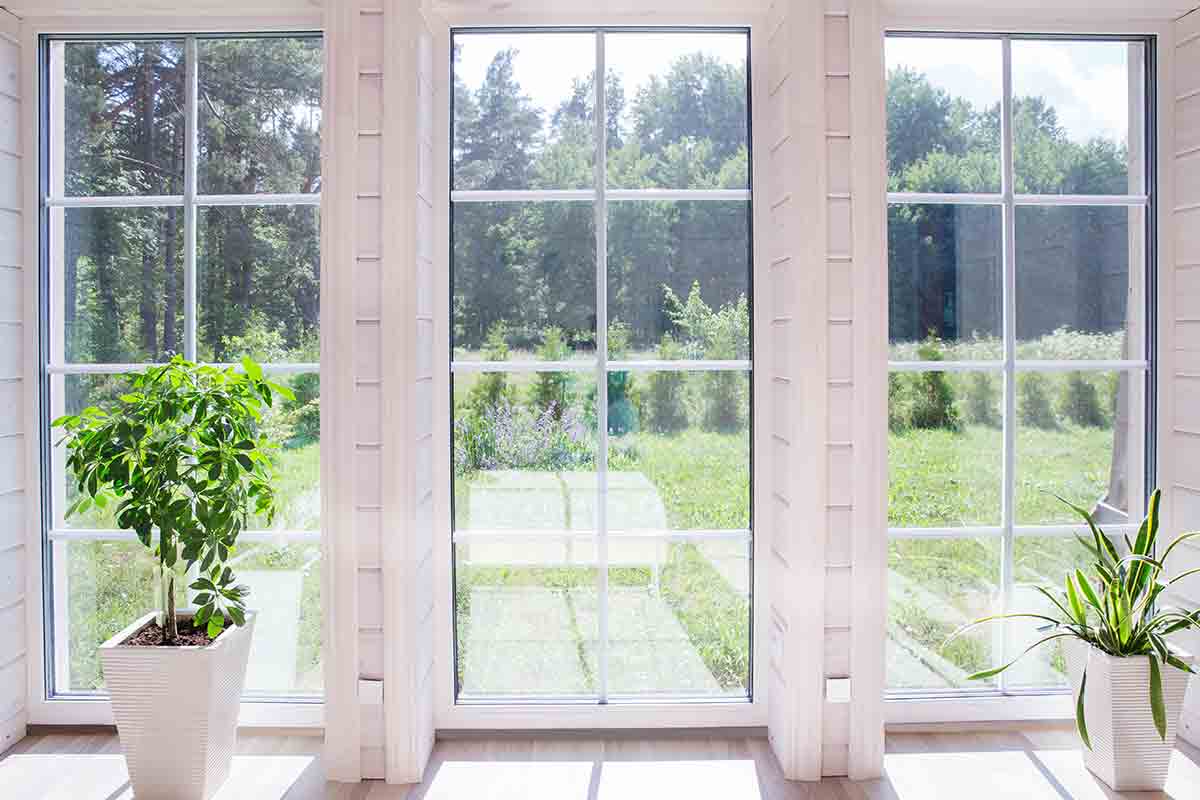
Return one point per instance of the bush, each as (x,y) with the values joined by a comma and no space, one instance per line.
(550,388)
(492,389)
(982,398)
(1081,402)
(665,404)
(1033,401)
(508,436)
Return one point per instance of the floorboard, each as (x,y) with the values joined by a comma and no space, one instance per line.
(986,763)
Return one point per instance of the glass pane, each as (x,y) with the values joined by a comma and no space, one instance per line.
(934,587)
(945,282)
(122,272)
(523,281)
(526,617)
(122,117)
(678,280)
(295,425)
(260,115)
(285,590)
(1081,436)
(525,451)
(1040,561)
(945,449)
(943,114)
(105,586)
(1077,296)
(679,617)
(679,451)
(1077,117)
(259,283)
(523,116)
(677,110)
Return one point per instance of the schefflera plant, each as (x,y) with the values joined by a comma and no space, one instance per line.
(1115,609)
(183,458)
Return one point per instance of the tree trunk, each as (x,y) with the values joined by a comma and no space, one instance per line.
(170,287)
(170,619)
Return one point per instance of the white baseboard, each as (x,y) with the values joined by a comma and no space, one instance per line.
(12,730)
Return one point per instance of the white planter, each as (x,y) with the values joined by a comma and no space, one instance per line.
(1127,752)
(176,710)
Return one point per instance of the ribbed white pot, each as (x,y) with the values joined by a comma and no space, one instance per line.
(1127,753)
(176,710)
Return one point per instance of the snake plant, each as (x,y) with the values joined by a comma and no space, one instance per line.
(1115,608)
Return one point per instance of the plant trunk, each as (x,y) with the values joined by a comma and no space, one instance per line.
(170,619)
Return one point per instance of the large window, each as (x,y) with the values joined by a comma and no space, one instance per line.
(600,304)
(180,186)
(1020,265)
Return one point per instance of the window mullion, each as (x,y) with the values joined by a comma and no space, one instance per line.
(1008,299)
(598,114)
(190,157)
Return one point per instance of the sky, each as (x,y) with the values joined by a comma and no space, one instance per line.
(547,63)
(1087,82)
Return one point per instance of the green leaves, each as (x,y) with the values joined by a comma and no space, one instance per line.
(183,454)
(1125,593)
(1080,722)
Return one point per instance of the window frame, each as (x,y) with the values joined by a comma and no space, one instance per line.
(599,195)
(1000,701)
(92,707)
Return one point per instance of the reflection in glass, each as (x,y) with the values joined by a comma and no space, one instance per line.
(944,449)
(525,451)
(679,451)
(260,115)
(1077,117)
(1076,296)
(943,119)
(523,283)
(123,117)
(945,275)
(679,617)
(525,622)
(259,283)
(122,284)
(679,280)
(285,591)
(1080,435)
(677,110)
(934,587)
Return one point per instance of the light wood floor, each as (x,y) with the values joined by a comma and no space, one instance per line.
(989,763)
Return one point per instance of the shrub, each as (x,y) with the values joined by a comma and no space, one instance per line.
(1081,402)
(899,403)
(1033,401)
(982,397)
(509,436)
(933,404)
(492,388)
(666,402)
(550,388)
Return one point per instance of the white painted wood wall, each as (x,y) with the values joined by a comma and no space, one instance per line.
(1179,345)
(377,372)
(824,256)
(16,342)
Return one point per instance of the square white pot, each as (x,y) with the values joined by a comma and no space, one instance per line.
(176,710)
(1127,752)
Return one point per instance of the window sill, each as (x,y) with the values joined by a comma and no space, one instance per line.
(81,710)
(987,708)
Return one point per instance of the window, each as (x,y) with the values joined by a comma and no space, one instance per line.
(180,189)
(1020,270)
(600,368)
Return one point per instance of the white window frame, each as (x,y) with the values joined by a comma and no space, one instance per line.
(94,708)
(650,712)
(951,706)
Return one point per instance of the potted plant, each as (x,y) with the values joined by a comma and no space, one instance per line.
(1128,682)
(182,459)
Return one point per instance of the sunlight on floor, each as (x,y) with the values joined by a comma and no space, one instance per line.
(1016,774)
(103,777)
(483,780)
(694,780)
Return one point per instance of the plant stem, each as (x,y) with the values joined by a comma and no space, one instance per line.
(170,620)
